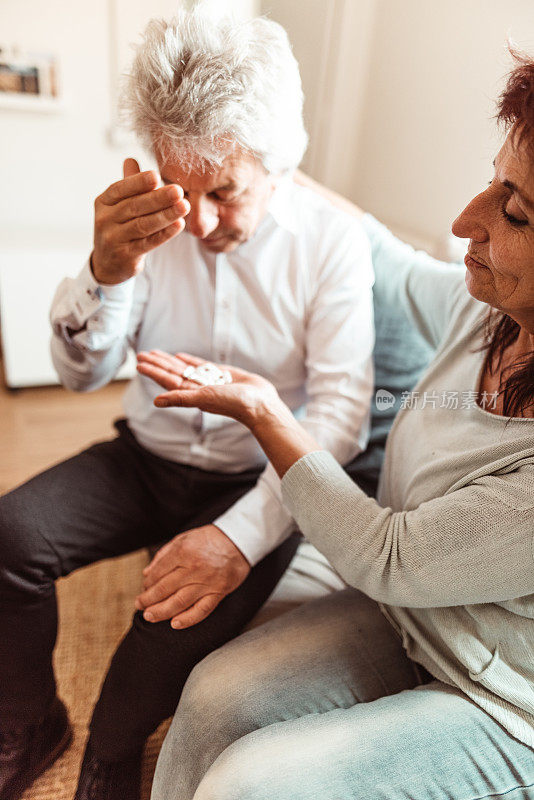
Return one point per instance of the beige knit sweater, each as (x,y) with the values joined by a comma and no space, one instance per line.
(448,549)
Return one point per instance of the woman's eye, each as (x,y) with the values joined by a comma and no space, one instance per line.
(513,220)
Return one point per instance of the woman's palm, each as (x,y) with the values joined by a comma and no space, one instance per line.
(239,399)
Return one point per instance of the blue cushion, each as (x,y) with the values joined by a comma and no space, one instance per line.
(400,356)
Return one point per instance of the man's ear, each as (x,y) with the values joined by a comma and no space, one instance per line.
(274,181)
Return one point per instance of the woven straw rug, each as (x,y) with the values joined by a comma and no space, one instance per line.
(95,607)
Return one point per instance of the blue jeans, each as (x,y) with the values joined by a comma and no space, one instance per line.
(323,703)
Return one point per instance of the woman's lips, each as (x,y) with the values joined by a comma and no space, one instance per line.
(469,261)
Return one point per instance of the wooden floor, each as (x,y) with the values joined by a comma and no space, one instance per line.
(39,427)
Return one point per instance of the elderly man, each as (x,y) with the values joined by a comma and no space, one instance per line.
(266,275)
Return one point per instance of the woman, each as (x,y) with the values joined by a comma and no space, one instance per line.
(418,682)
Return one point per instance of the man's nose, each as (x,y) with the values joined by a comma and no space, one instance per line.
(203,217)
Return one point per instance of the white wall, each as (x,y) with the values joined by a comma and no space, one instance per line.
(53,165)
(399,105)
(331,42)
(244,9)
(407,91)
(429,138)
(306,24)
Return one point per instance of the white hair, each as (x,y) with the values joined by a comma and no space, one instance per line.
(201,87)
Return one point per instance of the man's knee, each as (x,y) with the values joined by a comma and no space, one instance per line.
(29,563)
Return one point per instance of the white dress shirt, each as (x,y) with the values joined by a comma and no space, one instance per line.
(293,303)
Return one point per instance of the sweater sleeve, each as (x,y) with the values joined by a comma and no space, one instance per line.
(427,290)
(472,545)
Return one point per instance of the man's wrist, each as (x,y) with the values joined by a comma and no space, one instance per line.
(93,269)
(103,280)
(235,549)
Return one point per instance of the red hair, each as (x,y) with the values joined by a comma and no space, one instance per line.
(515,110)
(515,107)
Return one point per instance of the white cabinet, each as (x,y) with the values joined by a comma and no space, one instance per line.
(29,276)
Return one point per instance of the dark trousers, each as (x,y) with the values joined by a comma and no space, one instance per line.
(111,499)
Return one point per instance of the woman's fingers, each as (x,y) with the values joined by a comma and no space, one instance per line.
(164,369)
(156,358)
(160,376)
(187,398)
(192,361)
(236,373)
(163,360)
(179,361)
(226,399)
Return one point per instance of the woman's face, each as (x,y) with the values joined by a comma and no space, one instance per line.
(499,222)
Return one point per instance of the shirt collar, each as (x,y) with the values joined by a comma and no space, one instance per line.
(281,206)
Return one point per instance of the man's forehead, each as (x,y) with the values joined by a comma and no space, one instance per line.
(234,170)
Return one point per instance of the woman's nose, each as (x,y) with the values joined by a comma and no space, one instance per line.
(471,224)
(203,217)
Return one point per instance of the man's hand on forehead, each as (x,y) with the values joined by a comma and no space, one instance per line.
(132,217)
(131,184)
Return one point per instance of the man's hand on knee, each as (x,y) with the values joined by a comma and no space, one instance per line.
(189,576)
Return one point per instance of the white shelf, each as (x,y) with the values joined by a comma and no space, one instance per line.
(26,102)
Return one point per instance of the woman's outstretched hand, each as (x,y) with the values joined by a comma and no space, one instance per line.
(245,399)
(250,399)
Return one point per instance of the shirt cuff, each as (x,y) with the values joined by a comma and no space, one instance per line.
(256,524)
(89,295)
(112,291)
